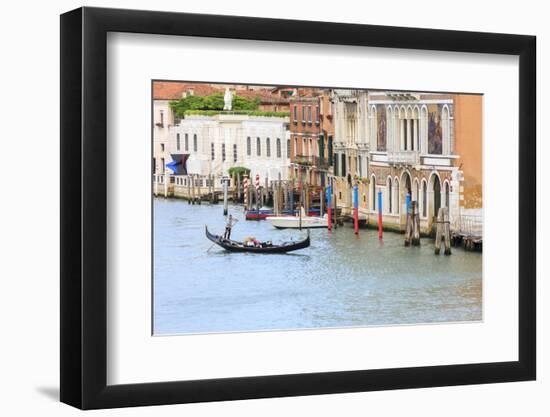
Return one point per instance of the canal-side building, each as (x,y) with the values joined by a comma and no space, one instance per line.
(428,146)
(311,131)
(163,116)
(211,145)
(351,148)
(326,138)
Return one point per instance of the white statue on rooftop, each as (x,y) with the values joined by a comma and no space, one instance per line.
(227,99)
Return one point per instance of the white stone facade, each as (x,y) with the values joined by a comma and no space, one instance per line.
(217,143)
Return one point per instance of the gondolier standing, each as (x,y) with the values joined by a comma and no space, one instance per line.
(230,223)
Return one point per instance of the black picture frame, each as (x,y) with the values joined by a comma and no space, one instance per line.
(84,207)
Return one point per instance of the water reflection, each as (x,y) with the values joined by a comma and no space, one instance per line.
(340,280)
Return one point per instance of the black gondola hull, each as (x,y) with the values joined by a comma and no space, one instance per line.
(234,246)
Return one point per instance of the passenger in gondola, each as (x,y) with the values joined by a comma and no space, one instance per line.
(229,225)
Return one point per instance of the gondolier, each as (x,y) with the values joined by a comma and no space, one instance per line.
(230,223)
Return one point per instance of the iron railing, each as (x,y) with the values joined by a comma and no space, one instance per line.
(311,161)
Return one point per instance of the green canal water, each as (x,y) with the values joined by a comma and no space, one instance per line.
(339,281)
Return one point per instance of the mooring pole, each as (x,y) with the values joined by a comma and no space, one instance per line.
(225,197)
(245,192)
(292,197)
(356,208)
(335,203)
(329,207)
(380,234)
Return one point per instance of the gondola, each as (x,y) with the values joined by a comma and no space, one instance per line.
(264,247)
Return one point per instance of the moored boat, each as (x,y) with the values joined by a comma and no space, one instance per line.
(262,214)
(298,222)
(256,247)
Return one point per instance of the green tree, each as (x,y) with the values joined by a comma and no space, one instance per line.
(239,171)
(213,102)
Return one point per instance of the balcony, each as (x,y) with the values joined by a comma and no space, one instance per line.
(311,161)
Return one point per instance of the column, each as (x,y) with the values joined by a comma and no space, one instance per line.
(415,135)
(402,139)
(409,136)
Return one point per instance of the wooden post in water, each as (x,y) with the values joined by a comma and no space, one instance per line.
(287,196)
(412,229)
(275,187)
(199,191)
(356,208)
(321,201)
(380,228)
(188,189)
(329,207)
(292,197)
(225,195)
(265,192)
(238,187)
(305,194)
(279,197)
(416,225)
(443,231)
(210,193)
(234,182)
(192,189)
(335,204)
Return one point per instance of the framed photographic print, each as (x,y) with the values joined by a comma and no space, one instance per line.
(257,208)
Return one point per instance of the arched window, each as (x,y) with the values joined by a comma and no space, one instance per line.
(403,128)
(248,146)
(424,199)
(278,147)
(267,147)
(389,129)
(372,128)
(415,130)
(288,148)
(258,147)
(424,129)
(445,130)
(195,143)
(359,165)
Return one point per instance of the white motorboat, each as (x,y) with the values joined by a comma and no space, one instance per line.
(298,222)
